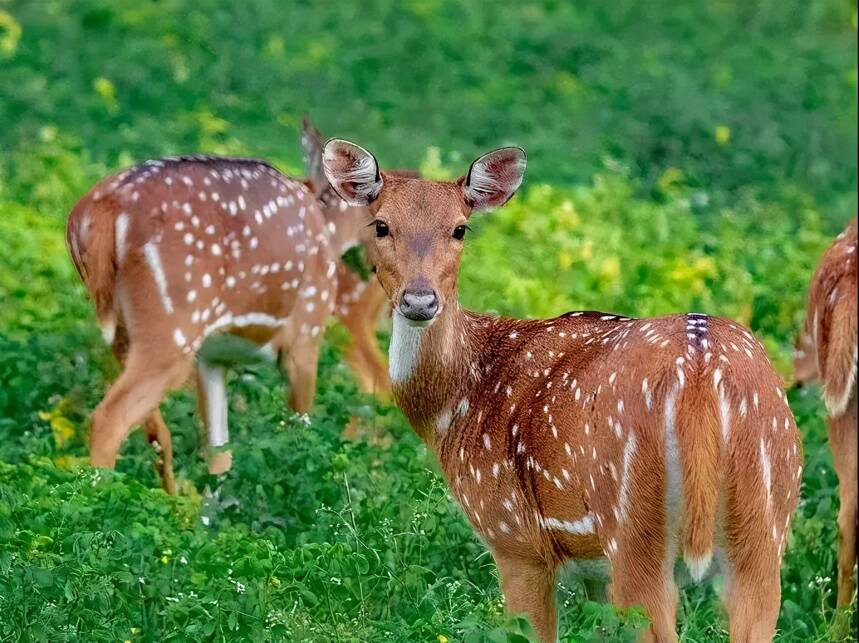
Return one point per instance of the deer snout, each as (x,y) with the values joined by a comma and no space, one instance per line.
(419,305)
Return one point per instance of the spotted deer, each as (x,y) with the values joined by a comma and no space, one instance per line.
(827,352)
(177,249)
(586,435)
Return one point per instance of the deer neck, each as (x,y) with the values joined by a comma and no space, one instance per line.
(431,368)
(343,224)
(343,232)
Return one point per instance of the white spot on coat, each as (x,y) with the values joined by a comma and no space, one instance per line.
(153,260)
(583,526)
(120,237)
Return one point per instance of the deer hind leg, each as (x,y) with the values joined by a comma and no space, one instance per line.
(638,533)
(133,397)
(156,430)
(842,440)
(300,338)
(528,586)
(300,363)
(643,574)
(751,568)
(162,442)
(753,592)
(212,409)
(299,342)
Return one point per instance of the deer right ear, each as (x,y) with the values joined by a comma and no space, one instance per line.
(493,179)
(352,171)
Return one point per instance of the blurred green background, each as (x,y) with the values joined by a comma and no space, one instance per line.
(682,156)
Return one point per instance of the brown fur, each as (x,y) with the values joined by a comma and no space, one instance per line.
(588,434)
(95,258)
(701,458)
(827,352)
(826,345)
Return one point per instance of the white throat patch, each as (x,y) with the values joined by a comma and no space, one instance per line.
(405,348)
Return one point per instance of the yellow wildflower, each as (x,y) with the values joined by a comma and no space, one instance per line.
(107,91)
(10,33)
(722,134)
(610,268)
(565,260)
(587,249)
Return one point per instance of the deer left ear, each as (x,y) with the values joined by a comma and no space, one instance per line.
(352,171)
(494,178)
(311,144)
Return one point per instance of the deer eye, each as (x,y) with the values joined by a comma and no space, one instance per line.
(382,229)
(459,232)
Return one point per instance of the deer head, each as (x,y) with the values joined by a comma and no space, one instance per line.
(417,226)
(804,359)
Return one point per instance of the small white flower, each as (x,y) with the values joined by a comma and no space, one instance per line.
(240,588)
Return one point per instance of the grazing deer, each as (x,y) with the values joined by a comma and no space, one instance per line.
(827,352)
(177,249)
(585,435)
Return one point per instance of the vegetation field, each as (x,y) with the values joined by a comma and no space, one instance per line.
(682,156)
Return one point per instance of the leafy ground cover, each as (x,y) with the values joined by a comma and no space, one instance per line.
(682,157)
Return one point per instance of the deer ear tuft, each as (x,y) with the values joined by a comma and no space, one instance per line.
(311,144)
(352,171)
(494,178)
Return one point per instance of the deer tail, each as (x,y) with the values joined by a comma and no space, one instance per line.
(698,427)
(91,240)
(840,365)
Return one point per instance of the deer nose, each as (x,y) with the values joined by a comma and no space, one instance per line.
(419,304)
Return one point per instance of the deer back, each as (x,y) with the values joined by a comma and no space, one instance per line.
(191,245)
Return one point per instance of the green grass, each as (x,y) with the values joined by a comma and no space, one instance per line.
(682,157)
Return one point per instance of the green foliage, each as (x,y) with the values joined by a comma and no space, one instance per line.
(35,292)
(673,166)
(354,259)
(654,87)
